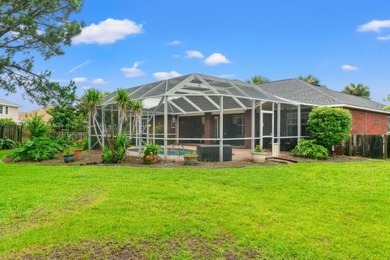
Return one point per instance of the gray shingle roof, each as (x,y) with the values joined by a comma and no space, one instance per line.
(303,92)
(195,87)
(7,103)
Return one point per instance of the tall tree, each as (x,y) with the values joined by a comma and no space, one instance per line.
(310,79)
(388,100)
(91,100)
(359,90)
(64,116)
(28,28)
(122,99)
(257,80)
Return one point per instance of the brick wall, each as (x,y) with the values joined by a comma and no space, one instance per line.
(371,123)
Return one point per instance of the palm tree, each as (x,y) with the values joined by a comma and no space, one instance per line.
(257,80)
(357,90)
(136,110)
(311,79)
(91,100)
(122,99)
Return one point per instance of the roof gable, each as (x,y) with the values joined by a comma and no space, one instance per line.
(7,103)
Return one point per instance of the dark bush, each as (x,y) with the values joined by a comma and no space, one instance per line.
(6,143)
(309,149)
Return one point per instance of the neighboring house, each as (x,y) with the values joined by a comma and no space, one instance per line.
(42,111)
(197,108)
(9,110)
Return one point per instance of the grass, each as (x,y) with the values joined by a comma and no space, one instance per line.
(307,210)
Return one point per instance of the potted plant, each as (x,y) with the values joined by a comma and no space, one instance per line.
(190,158)
(78,150)
(151,153)
(258,155)
(68,155)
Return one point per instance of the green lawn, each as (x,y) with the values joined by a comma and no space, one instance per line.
(307,210)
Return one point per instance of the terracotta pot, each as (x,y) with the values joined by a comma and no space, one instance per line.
(150,158)
(78,154)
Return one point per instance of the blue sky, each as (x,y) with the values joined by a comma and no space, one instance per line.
(127,43)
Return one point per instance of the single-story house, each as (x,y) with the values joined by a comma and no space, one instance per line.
(9,110)
(197,108)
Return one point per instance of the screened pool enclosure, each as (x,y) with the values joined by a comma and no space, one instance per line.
(200,109)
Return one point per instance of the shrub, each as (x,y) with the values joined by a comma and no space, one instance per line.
(329,126)
(85,143)
(7,121)
(38,149)
(37,126)
(309,149)
(107,156)
(116,152)
(6,144)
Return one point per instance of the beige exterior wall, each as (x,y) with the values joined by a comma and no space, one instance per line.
(13,113)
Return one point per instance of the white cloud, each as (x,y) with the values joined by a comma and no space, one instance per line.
(383,38)
(374,25)
(60,80)
(107,32)
(175,42)
(79,79)
(166,75)
(194,54)
(85,63)
(215,59)
(134,71)
(176,56)
(349,68)
(98,81)
(227,76)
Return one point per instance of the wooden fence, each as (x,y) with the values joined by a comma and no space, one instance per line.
(372,146)
(13,132)
(75,135)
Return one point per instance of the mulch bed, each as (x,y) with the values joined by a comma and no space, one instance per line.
(94,158)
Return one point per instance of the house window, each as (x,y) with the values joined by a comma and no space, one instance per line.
(238,123)
(292,128)
(304,123)
(388,125)
(3,110)
(173,122)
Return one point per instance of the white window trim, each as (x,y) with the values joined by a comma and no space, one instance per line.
(4,110)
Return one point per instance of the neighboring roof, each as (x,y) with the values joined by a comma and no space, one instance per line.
(7,103)
(42,111)
(199,93)
(306,93)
